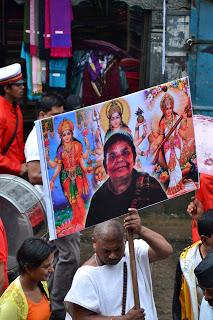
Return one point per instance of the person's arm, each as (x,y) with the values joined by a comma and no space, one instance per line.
(34,172)
(79,313)
(2,277)
(9,310)
(159,248)
(195,208)
(6,165)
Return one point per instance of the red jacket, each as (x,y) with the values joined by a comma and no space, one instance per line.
(11,162)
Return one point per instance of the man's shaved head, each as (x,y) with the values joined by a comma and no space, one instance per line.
(109,242)
(108,231)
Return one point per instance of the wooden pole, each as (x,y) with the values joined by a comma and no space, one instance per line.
(133,269)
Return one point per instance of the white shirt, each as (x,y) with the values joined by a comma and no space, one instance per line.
(99,289)
(206,311)
(32,153)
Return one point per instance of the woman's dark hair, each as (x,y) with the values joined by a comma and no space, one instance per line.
(118,137)
(205,224)
(32,253)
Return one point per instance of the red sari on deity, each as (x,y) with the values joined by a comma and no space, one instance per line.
(73,180)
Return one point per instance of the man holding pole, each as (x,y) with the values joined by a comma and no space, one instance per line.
(102,287)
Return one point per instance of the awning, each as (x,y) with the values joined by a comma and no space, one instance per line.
(144,4)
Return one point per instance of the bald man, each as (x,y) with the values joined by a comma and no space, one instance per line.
(100,286)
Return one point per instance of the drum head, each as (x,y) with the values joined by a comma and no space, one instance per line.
(22,210)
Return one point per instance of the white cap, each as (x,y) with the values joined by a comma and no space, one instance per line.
(11,74)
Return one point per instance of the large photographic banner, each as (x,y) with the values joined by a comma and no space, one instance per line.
(132,151)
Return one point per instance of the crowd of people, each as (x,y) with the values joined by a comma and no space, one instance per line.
(51,283)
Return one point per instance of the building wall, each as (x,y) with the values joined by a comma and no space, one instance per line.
(177,32)
(200,57)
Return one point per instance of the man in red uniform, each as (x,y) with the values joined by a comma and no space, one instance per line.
(12,159)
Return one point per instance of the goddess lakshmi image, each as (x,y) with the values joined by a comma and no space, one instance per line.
(118,115)
(69,163)
(114,113)
(172,128)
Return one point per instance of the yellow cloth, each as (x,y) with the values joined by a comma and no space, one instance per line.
(188,302)
(13,303)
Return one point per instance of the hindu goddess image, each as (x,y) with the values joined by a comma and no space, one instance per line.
(69,163)
(172,129)
(116,111)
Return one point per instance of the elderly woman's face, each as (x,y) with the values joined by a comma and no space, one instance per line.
(119,160)
(66,136)
(115,120)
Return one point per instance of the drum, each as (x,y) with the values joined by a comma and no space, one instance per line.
(22,210)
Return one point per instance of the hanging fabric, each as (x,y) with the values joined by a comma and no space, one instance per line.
(60,28)
(47,44)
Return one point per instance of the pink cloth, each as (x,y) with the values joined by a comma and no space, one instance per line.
(32,29)
(47,39)
(61,52)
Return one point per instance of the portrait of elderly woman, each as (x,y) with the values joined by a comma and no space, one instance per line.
(69,163)
(125,188)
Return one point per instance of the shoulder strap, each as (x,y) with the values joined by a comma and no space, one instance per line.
(6,148)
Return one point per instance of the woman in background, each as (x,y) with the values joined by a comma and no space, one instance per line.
(27,296)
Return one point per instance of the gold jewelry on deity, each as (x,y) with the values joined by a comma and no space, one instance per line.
(114,106)
(65,125)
